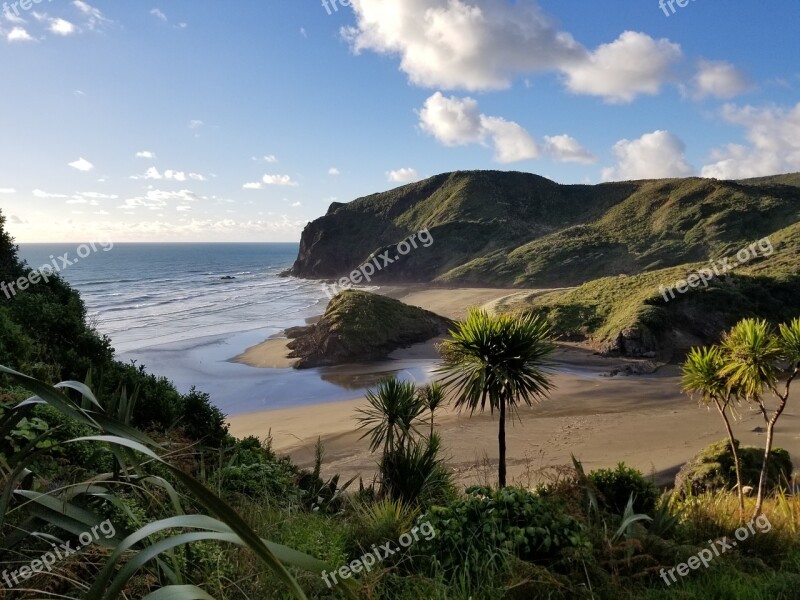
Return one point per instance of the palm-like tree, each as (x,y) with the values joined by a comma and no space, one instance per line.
(497,361)
(754,357)
(391,413)
(702,377)
(433,398)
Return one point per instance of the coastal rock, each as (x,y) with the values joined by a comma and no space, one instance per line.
(359,326)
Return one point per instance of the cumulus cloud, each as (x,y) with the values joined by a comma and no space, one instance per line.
(61,26)
(565,148)
(620,71)
(82,165)
(169,175)
(719,79)
(457,121)
(279,180)
(145,154)
(8,191)
(254,185)
(473,45)
(652,156)
(404,175)
(333,171)
(19,34)
(158,14)
(774,136)
(270,158)
(485,44)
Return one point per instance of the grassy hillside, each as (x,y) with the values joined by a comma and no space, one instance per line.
(518,229)
(630,314)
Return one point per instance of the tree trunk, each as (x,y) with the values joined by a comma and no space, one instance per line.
(501,438)
(762,480)
(736,462)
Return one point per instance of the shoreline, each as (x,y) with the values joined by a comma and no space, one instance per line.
(603,419)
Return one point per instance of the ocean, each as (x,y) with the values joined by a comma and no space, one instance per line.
(185,310)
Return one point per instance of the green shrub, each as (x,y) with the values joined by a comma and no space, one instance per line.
(713,469)
(615,486)
(480,532)
(273,480)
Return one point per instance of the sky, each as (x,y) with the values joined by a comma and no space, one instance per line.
(198,120)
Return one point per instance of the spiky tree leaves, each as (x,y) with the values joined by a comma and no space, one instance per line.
(703,378)
(389,418)
(497,362)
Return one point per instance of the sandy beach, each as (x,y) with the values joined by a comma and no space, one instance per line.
(642,420)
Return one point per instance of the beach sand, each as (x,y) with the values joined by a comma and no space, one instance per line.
(642,420)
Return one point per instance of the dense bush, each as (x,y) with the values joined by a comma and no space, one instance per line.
(275,481)
(482,530)
(713,468)
(615,487)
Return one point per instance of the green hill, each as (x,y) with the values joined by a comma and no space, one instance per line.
(615,244)
(516,229)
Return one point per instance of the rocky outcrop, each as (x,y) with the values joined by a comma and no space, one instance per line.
(359,326)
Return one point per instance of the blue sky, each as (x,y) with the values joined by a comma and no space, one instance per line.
(190,121)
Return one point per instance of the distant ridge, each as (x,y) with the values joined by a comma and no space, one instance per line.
(517,229)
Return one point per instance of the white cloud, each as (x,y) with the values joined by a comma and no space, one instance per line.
(196,124)
(475,45)
(270,158)
(296,204)
(62,27)
(98,195)
(19,34)
(42,194)
(774,136)
(279,180)
(333,171)
(156,199)
(82,165)
(719,79)
(620,71)
(8,191)
(652,156)
(94,18)
(170,175)
(158,14)
(255,185)
(484,44)
(457,121)
(405,175)
(565,148)
(145,154)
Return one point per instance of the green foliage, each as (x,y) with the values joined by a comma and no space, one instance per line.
(615,487)
(390,418)
(477,534)
(712,469)
(415,473)
(275,481)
